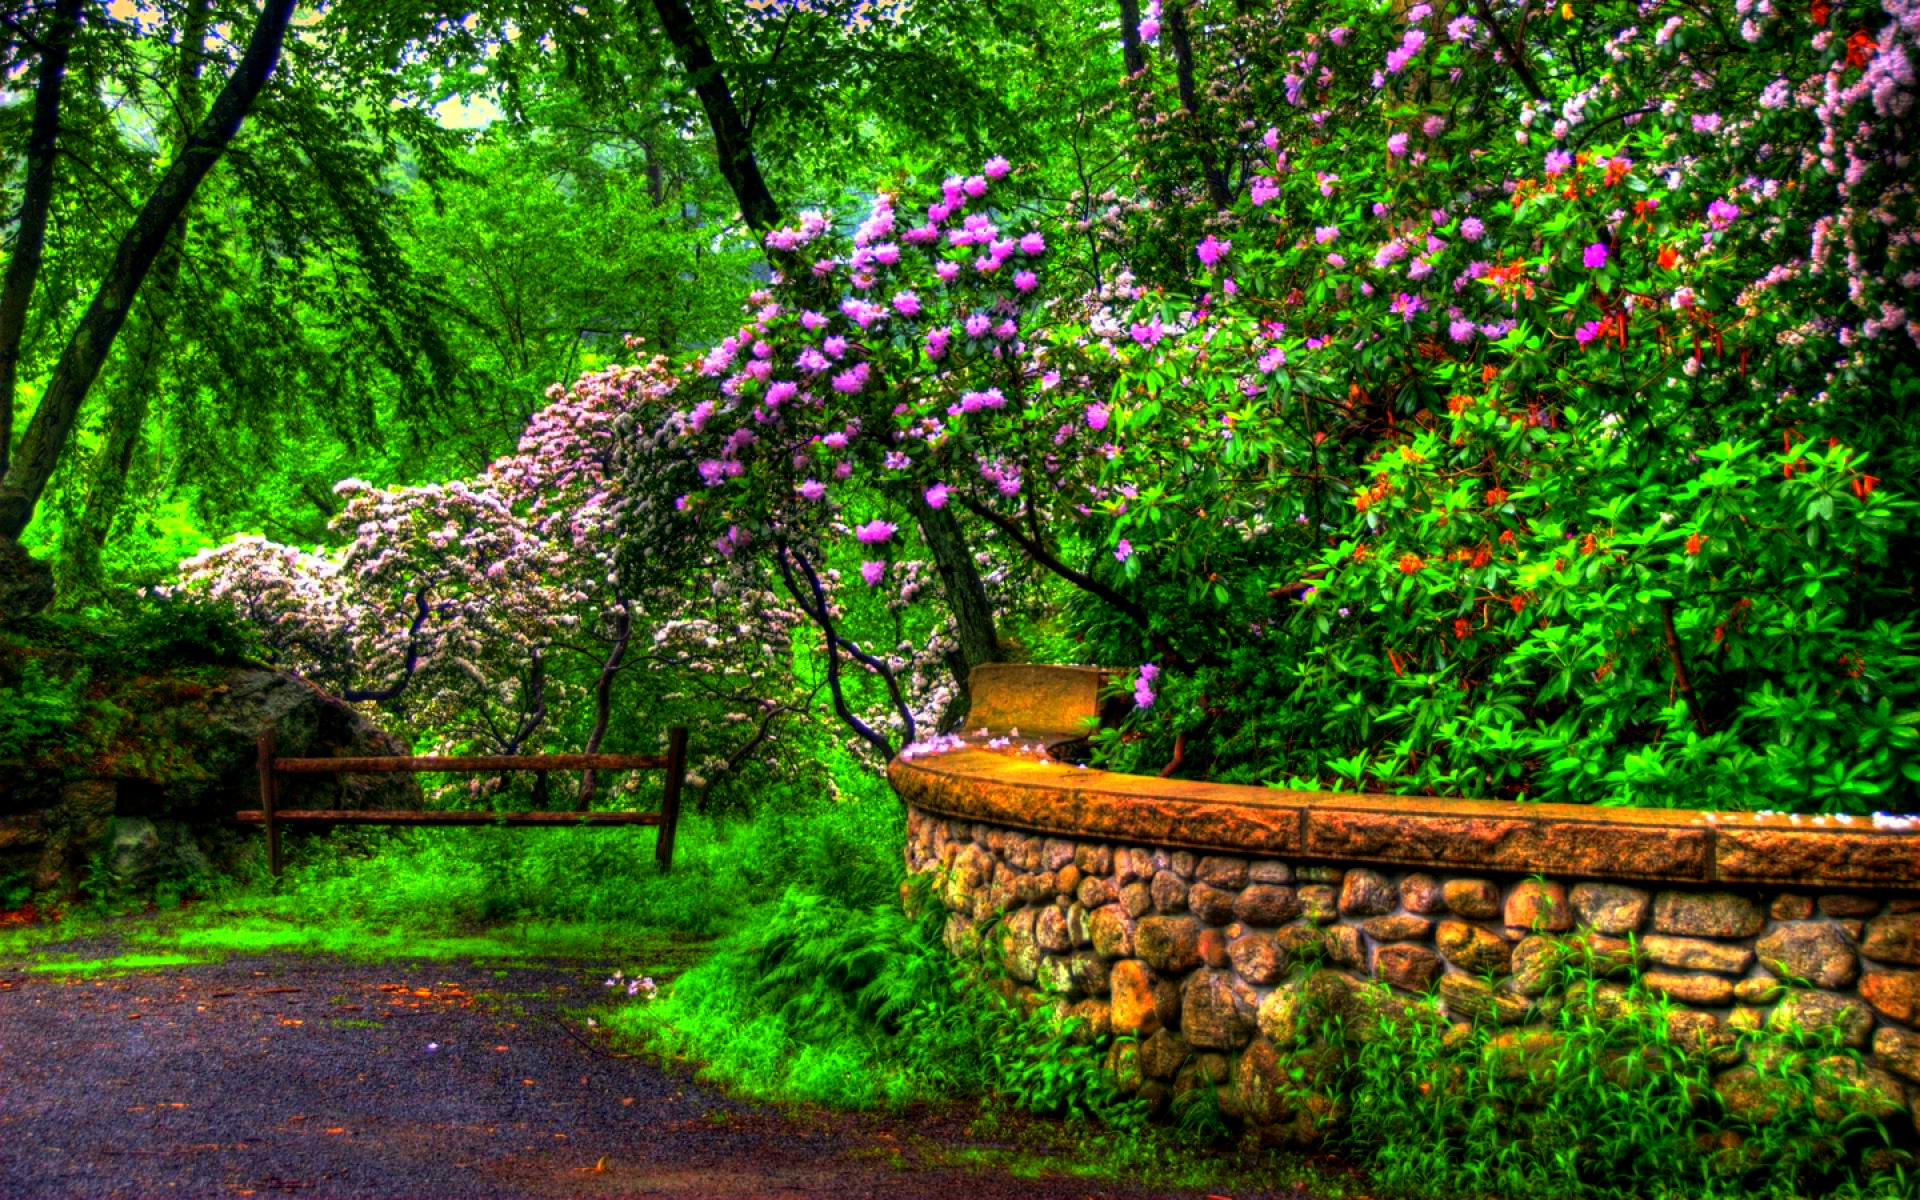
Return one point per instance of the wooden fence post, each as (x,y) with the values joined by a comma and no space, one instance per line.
(268,787)
(670,803)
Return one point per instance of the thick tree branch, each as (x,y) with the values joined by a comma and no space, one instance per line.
(1680,681)
(36,202)
(603,694)
(731,137)
(413,658)
(1508,52)
(1130,52)
(87,350)
(819,611)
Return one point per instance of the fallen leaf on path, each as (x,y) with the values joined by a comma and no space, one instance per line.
(599,1168)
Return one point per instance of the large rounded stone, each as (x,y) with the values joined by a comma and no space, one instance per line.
(1406,966)
(1539,905)
(1894,994)
(1134,1007)
(1475,899)
(1091,973)
(1217,1010)
(1365,893)
(1050,931)
(1894,939)
(1266,904)
(1211,904)
(1170,944)
(1320,903)
(1609,907)
(1400,927)
(1697,954)
(1898,1051)
(1474,999)
(1707,914)
(1136,899)
(1019,954)
(1280,1017)
(1169,893)
(1701,991)
(1113,932)
(1473,949)
(1818,1015)
(1163,1054)
(1257,958)
(1422,894)
(1222,872)
(1809,951)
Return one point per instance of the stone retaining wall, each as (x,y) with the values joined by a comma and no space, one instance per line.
(1160,910)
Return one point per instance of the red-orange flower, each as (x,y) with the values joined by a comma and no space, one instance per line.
(1695,541)
(1819,11)
(1860,48)
(1496,496)
(1409,563)
(1669,258)
(1462,628)
(1863,486)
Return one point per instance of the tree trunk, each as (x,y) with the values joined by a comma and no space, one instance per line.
(36,201)
(960,579)
(1130,50)
(737,162)
(86,351)
(1180,35)
(79,573)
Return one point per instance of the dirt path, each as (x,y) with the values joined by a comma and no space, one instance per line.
(315,1076)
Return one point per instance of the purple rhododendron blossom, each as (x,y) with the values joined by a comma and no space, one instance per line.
(1326,233)
(1595,256)
(937,496)
(1033,243)
(1263,189)
(1143,695)
(937,340)
(1212,250)
(813,489)
(873,572)
(1721,214)
(876,532)
(1473,229)
(1025,281)
(1397,145)
(1096,417)
(812,321)
(907,304)
(978,324)
(997,168)
(1124,550)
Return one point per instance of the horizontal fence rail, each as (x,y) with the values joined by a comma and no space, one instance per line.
(508,762)
(272,816)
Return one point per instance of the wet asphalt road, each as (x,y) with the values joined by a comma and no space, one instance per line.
(319,1077)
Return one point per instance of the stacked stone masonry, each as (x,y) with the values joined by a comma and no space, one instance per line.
(1214,925)
(1190,953)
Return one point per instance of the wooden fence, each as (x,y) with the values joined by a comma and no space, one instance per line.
(271,815)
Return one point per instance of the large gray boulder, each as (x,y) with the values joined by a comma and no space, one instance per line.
(180,758)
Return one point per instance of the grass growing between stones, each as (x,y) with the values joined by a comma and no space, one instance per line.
(1616,1095)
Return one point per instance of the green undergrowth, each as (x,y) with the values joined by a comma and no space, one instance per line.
(1611,1097)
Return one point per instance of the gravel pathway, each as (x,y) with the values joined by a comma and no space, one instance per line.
(319,1077)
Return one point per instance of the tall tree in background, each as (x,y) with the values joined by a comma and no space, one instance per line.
(87,348)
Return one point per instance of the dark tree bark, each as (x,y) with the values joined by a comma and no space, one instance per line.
(79,574)
(1130,50)
(960,579)
(730,135)
(1180,36)
(87,350)
(36,202)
